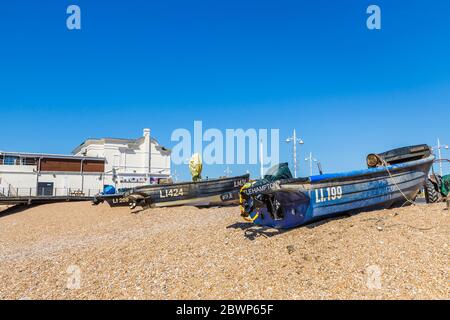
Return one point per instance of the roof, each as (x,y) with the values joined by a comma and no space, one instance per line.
(48,155)
(129,142)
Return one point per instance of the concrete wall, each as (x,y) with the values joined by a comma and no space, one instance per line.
(14,180)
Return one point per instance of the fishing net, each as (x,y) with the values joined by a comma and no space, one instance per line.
(196,167)
(445,187)
(278,172)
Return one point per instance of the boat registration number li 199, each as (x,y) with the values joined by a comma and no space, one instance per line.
(171,193)
(328,194)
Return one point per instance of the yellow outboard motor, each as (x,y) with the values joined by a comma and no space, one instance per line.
(196,167)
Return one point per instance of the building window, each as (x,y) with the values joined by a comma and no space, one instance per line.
(9,161)
(29,161)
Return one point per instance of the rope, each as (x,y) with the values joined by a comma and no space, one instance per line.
(395,183)
(250,219)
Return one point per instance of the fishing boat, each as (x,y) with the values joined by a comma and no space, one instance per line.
(199,192)
(393,178)
(212,192)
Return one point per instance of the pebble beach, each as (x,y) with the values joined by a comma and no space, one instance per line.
(80,251)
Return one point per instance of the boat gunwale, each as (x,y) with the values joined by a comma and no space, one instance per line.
(349,175)
(246,176)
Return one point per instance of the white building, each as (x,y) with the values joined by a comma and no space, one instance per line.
(123,163)
(31,174)
(129,162)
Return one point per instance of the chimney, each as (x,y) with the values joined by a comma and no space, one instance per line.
(147,154)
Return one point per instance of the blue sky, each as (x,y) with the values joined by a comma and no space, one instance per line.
(309,65)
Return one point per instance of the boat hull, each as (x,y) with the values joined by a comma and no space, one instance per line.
(202,193)
(330,195)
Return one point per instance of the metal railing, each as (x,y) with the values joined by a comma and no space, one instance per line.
(48,192)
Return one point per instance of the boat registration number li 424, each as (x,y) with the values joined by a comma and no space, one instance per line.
(171,193)
(328,194)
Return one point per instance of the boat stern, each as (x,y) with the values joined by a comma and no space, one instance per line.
(269,205)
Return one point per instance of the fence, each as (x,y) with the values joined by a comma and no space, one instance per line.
(48,192)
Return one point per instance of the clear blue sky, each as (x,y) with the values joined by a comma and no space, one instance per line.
(310,65)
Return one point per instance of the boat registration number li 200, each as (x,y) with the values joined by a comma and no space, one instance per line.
(171,193)
(328,194)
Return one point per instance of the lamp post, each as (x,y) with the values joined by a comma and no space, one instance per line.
(228,172)
(311,160)
(261,158)
(174,176)
(439,147)
(294,141)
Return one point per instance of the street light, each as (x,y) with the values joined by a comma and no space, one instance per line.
(311,160)
(174,176)
(294,141)
(228,172)
(439,147)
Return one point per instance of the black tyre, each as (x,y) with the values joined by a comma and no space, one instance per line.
(431,194)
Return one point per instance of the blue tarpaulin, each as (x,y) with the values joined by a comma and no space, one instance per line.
(109,190)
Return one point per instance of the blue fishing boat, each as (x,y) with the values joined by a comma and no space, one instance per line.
(394,178)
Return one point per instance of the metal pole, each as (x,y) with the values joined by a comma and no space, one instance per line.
(295,153)
(310,164)
(82,175)
(150,155)
(37,175)
(261,157)
(295,140)
(440,157)
(300,142)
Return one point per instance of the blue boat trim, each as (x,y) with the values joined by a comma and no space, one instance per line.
(371,171)
(303,201)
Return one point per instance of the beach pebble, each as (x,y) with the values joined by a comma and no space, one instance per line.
(79,251)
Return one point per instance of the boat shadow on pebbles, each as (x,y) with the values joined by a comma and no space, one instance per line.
(168,208)
(319,223)
(252,231)
(139,210)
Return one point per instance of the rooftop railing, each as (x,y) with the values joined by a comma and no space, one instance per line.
(48,192)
